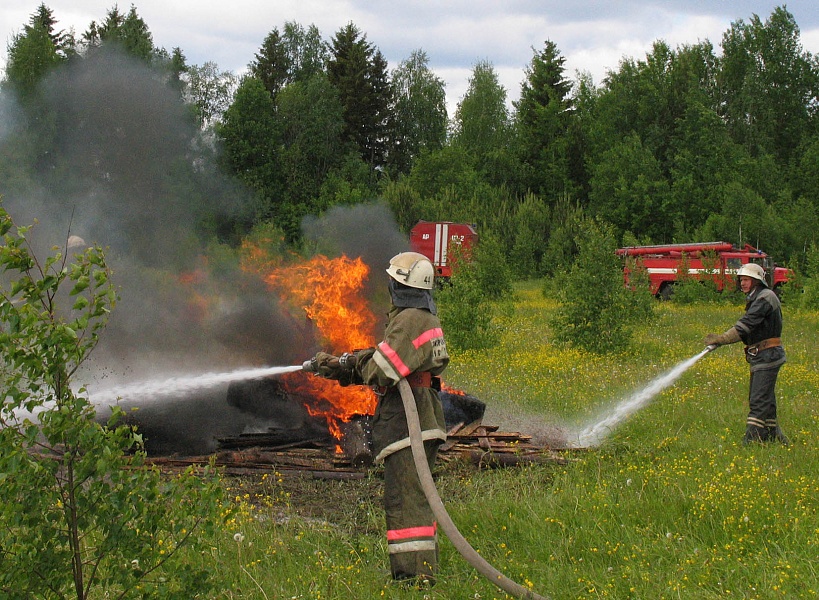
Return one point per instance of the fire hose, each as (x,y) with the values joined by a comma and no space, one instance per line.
(436,504)
(431,492)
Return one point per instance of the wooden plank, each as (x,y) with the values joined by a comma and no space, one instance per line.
(469,429)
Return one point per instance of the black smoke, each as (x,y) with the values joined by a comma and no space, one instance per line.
(126,167)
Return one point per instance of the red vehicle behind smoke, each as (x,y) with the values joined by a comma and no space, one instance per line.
(436,239)
(717,261)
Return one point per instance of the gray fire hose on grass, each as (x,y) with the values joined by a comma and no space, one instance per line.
(437,505)
(431,492)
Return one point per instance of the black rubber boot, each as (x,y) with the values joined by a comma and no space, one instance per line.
(753,433)
(776,434)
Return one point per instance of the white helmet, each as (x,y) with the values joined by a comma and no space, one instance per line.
(754,271)
(75,241)
(412,269)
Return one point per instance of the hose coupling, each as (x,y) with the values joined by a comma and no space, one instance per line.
(347,361)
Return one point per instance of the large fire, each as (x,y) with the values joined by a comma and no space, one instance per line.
(328,292)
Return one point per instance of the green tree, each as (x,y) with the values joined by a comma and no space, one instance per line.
(295,54)
(272,64)
(650,97)
(744,217)
(628,189)
(593,312)
(481,125)
(530,237)
(703,158)
(358,70)
(80,514)
(36,51)
(307,52)
(312,122)
(435,171)
(174,66)
(768,85)
(404,202)
(210,91)
(252,138)
(807,172)
(128,32)
(565,232)
(468,302)
(543,121)
(419,111)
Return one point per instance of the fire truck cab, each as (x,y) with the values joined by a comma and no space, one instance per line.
(715,261)
(435,240)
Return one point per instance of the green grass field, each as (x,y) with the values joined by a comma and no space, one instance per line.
(670,505)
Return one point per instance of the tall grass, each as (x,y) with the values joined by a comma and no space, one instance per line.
(671,505)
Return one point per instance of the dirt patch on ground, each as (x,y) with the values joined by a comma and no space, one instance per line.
(346,503)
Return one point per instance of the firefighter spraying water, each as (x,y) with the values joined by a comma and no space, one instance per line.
(760,329)
(409,423)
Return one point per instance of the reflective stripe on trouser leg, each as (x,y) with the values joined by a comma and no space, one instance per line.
(411,529)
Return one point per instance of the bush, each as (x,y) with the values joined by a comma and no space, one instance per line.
(595,305)
(79,511)
(468,302)
(639,301)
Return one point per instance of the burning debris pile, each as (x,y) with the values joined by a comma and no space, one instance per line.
(307,446)
(294,420)
(307,423)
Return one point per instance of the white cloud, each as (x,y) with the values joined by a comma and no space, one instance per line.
(592,36)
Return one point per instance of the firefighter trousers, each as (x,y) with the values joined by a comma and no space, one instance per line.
(412,536)
(762,425)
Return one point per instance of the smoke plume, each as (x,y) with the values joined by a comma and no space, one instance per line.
(128,170)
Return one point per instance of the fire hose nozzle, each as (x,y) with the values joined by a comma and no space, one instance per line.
(711,347)
(311,366)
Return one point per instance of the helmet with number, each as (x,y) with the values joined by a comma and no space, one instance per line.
(412,269)
(754,271)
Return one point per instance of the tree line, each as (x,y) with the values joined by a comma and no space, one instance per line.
(694,143)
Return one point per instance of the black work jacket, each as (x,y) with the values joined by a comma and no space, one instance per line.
(762,319)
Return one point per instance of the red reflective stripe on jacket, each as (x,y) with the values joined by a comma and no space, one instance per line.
(427,336)
(411,532)
(393,357)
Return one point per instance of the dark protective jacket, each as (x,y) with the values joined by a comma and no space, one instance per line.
(413,342)
(762,320)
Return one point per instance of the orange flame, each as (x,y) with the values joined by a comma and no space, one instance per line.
(328,291)
(452,390)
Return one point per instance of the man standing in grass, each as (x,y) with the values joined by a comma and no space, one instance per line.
(413,349)
(760,329)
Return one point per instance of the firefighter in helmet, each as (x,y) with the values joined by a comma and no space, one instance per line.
(413,348)
(760,329)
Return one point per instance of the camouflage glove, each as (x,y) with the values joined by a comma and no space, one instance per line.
(327,365)
(720,339)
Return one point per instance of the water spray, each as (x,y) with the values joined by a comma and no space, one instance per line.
(178,386)
(595,433)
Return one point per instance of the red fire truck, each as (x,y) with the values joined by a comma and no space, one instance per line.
(717,261)
(435,239)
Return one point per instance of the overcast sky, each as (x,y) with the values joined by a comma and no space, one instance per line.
(591,36)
